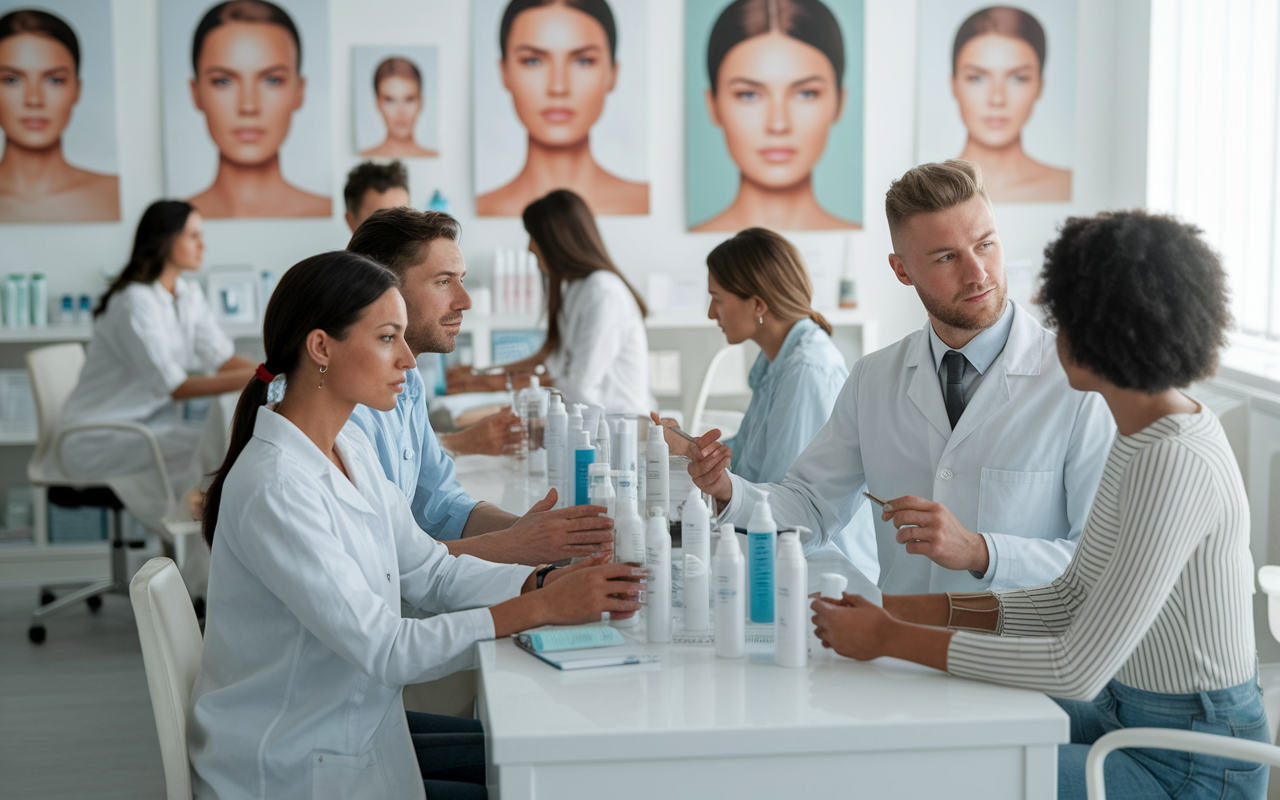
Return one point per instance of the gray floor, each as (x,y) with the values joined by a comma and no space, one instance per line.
(75,716)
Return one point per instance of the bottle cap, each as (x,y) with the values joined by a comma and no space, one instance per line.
(833,585)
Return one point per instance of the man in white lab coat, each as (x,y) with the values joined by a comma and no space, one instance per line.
(990,458)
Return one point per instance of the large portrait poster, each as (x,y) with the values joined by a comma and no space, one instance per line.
(997,86)
(245,88)
(57,112)
(396,101)
(773,114)
(561,101)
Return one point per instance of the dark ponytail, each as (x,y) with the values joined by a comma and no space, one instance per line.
(157,231)
(327,292)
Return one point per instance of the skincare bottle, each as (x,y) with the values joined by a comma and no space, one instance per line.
(584,455)
(697,616)
(730,582)
(657,540)
(573,426)
(658,466)
(695,540)
(602,493)
(831,587)
(628,536)
(532,416)
(602,439)
(625,436)
(761,536)
(791,645)
(557,445)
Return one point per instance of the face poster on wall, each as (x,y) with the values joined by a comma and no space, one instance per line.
(997,87)
(57,112)
(395,100)
(773,114)
(561,102)
(246,106)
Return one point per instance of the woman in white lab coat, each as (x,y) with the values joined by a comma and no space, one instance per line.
(596,350)
(313,550)
(155,344)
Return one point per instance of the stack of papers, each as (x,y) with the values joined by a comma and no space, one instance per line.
(582,648)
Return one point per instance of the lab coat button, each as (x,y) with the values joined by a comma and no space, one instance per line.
(945,475)
(408,454)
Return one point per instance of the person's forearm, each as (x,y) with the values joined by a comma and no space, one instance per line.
(519,614)
(975,612)
(921,609)
(236,362)
(922,644)
(205,385)
(487,518)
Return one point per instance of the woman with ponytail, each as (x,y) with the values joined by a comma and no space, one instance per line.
(155,344)
(313,552)
(760,290)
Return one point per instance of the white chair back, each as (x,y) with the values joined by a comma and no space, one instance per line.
(171,650)
(55,371)
(1171,739)
(726,377)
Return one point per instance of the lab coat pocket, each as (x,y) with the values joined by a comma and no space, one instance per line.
(1015,503)
(339,777)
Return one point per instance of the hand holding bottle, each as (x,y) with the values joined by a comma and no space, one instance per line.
(580,593)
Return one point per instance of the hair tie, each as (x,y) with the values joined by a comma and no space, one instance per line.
(263,374)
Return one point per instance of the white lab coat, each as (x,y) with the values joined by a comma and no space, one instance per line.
(305,650)
(603,358)
(144,346)
(1020,468)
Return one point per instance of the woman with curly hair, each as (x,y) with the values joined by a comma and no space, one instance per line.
(1150,625)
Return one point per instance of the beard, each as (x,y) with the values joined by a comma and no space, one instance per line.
(954,314)
(432,338)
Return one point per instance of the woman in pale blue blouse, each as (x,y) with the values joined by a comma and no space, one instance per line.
(760,290)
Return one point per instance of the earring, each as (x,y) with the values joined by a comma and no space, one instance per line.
(761,320)
(323,370)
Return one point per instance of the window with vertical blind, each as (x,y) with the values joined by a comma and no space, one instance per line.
(1212,150)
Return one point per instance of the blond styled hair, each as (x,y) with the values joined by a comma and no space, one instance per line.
(932,187)
(760,263)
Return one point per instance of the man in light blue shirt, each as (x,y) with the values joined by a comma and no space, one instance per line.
(989,459)
(421,248)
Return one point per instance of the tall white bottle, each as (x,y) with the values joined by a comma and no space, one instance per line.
(730,589)
(657,540)
(555,436)
(573,427)
(761,535)
(791,581)
(602,440)
(628,532)
(695,538)
(658,469)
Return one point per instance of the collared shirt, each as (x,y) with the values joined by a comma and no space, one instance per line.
(305,649)
(979,353)
(412,459)
(792,397)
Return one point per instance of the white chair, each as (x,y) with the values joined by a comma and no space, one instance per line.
(726,377)
(1167,739)
(55,370)
(171,650)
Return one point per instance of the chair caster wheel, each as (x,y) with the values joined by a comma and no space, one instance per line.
(94,603)
(36,633)
(47,597)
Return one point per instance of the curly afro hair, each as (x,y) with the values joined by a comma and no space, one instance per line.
(1140,299)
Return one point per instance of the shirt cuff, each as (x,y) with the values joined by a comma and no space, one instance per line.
(993,563)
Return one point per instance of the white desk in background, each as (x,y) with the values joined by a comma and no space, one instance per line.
(698,726)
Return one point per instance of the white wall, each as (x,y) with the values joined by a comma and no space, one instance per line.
(1109,167)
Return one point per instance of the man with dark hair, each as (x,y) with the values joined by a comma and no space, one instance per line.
(990,458)
(372,186)
(421,247)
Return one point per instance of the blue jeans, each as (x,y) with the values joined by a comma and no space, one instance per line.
(1153,773)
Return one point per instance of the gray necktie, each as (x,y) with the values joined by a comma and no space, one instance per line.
(954,363)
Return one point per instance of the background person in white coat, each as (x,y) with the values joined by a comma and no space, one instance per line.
(155,344)
(990,457)
(313,550)
(597,351)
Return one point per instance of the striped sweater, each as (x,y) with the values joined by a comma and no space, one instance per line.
(1158,594)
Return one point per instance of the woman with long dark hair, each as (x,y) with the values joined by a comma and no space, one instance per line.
(155,344)
(313,551)
(596,349)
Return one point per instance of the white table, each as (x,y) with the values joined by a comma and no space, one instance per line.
(697,726)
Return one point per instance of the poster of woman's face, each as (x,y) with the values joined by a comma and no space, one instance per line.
(561,102)
(246,106)
(773,114)
(997,87)
(395,101)
(57,112)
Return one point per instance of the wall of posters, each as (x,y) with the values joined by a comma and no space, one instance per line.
(560,101)
(245,86)
(997,86)
(773,114)
(57,98)
(395,101)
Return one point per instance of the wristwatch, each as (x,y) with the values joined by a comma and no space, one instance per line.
(543,573)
